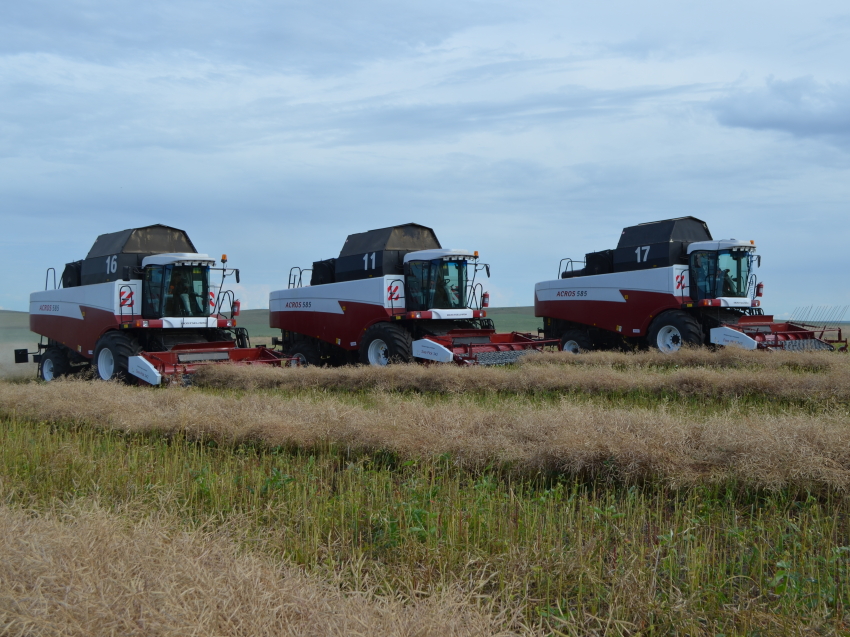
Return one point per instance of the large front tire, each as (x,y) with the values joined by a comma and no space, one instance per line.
(54,364)
(671,330)
(112,356)
(384,344)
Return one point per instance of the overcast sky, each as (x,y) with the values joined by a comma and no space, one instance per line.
(529,131)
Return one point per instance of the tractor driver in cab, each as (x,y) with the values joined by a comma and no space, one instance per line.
(182,299)
(711,281)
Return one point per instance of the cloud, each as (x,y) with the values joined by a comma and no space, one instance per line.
(801,107)
(329,38)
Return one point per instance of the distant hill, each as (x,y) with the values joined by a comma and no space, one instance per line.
(15,327)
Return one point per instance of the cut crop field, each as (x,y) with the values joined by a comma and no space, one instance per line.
(702,493)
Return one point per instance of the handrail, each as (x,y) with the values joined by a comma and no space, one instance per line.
(472,298)
(131,301)
(296,280)
(47,277)
(390,297)
(570,263)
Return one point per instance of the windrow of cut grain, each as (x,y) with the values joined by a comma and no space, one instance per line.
(758,449)
(809,377)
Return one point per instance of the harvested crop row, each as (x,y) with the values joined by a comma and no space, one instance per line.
(88,574)
(635,444)
(723,358)
(831,383)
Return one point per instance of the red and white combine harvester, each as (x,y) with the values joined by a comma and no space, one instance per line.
(393,294)
(668,283)
(141,306)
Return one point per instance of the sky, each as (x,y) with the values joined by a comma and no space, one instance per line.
(530,131)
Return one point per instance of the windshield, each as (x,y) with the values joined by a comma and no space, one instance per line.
(176,290)
(437,284)
(719,274)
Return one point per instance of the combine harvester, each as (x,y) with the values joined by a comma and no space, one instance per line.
(668,283)
(393,294)
(141,306)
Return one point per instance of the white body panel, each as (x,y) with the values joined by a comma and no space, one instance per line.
(606,287)
(66,302)
(723,244)
(69,303)
(386,291)
(728,336)
(429,350)
(170,258)
(141,368)
(430,255)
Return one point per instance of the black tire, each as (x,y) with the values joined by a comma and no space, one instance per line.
(306,352)
(671,330)
(386,343)
(112,355)
(576,341)
(54,364)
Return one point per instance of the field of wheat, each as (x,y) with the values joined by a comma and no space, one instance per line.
(622,494)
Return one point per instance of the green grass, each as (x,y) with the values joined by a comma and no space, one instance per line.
(647,559)
(15,328)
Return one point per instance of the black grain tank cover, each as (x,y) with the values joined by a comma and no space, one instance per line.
(129,248)
(658,244)
(323,272)
(381,252)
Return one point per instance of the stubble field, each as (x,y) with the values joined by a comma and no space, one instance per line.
(618,494)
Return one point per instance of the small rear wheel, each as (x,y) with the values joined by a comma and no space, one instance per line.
(576,341)
(671,330)
(112,356)
(54,364)
(384,344)
(306,352)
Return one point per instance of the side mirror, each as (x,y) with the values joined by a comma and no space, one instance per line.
(237,275)
(125,275)
(758,260)
(487,267)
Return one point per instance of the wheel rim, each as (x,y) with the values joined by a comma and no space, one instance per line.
(669,339)
(105,364)
(571,346)
(302,360)
(47,371)
(378,353)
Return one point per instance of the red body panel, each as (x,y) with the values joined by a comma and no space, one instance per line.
(630,317)
(344,329)
(80,335)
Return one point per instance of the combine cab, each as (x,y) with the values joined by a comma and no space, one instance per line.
(393,294)
(667,283)
(142,307)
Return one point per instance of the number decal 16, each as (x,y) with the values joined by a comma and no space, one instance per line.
(112,264)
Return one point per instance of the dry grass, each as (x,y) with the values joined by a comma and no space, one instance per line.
(90,573)
(730,373)
(757,449)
